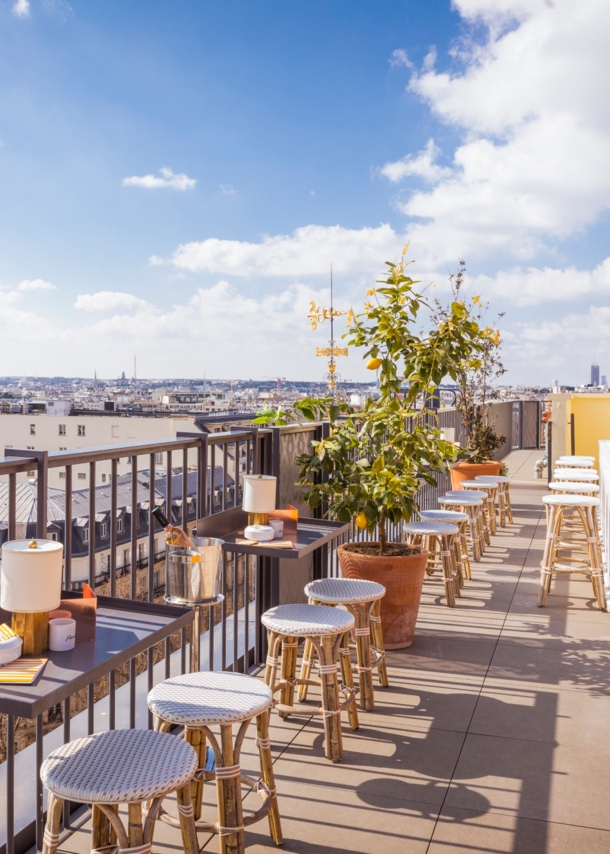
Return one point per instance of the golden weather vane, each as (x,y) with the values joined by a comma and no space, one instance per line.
(318,314)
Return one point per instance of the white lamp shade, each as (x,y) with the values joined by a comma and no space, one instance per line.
(30,580)
(259,493)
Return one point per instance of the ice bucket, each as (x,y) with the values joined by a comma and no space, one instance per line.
(192,575)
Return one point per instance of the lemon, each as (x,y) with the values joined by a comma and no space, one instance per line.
(373,364)
(361,521)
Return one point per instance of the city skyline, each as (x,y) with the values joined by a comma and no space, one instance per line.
(177,180)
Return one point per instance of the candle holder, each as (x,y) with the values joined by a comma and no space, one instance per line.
(31,587)
(259,497)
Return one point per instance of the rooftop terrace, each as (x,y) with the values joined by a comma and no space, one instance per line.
(493,736)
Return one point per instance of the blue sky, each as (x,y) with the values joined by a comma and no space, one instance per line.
(293,135)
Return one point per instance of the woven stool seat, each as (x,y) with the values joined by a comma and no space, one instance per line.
(205,699)
(426,528)
(344,591)
(472,493)
(576,459)
(573,486)
(305,620)
(453,501)
(118,767)
(575,474)
(451,516)
(492,478)
(571,500)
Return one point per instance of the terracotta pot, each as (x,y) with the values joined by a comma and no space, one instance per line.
(468,471)
(403,579)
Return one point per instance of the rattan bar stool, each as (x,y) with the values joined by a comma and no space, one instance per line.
(472,508)
(581,475)
(578,460)
(460,520)
(483,511)
(363,599)
(123,766)
(504,504)
(438,539)
(491,489)
(574,487)
(198,701)
(325,627)
(585,551)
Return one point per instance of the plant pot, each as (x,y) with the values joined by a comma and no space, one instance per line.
(403,579)
(468,471)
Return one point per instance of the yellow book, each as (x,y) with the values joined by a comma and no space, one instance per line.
(22,671)
(6,633)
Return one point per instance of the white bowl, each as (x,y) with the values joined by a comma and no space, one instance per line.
(10,650)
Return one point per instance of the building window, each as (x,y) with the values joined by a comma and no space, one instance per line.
(52,536)
(62,474)
(85,535)
(129,461)
(63,449)
(104,530)
(114,432)
(62,429)
(30,447)
(82,475)
(159,458)
(103,478)
(119,526)
(81,429)
(31,473)
(125,557)
(32,429)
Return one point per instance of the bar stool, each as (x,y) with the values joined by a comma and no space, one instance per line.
(198,701)
(483,511)
(363,599)
(581,475)
(438,539)
(504,504)
(122,766)
(491,489)
(325,627)
(574,487)
(460,520)
(472,508)
(576,462)
(587,547)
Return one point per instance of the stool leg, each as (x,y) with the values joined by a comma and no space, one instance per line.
(289,670)
(50,839)
(548,558)
(102,831)
(196,738)
(264,750)
(491,513)
(134,826)
(187,821)
(347,678)
(307,661)
(502,505)
(597,578)
(228,790)
(333,742)
(509,507)
(450,590)
(272,660)
(474,533)
(464,549)
(363,653)
(382,670)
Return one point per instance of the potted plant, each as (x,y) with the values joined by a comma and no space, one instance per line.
(370,467)
(475,389)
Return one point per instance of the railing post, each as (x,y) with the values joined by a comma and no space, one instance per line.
(42,479)
(202,469)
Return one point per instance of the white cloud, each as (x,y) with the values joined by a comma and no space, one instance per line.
(310,250)
(422,164)
(531,102)
(110,301)
(399,58)
(227,189)
(168,179)
(35,285)
(534,286)
(21,9)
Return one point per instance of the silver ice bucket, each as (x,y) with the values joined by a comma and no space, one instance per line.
(192,575)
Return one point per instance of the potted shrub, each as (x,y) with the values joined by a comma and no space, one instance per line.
(370,467)
(475,390)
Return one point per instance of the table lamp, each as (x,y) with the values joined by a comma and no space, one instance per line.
(30,582)
(259,497)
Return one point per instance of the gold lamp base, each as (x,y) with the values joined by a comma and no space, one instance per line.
(34,629)
(258,518)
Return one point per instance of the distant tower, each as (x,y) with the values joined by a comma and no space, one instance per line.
(123,377)
(595,375)
(95,379)
(604,380)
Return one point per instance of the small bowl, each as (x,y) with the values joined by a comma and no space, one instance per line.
(260,533)
(10,650)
